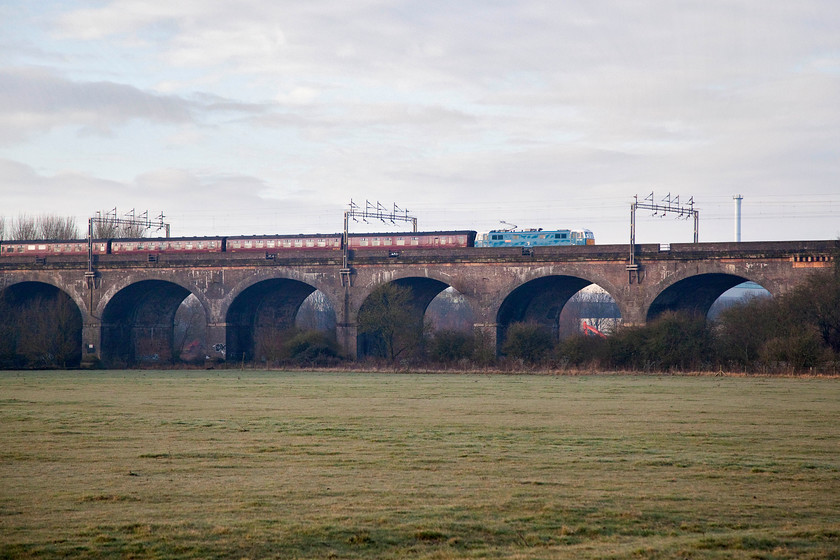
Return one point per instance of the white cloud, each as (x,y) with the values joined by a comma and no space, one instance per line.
(33,100)
(531,105)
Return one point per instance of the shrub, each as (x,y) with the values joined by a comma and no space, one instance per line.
(581,349)
(451,346)
(797,352)
(743,330)
(797,331)
(311,347)
(529,342)
(296,346)
(674,341)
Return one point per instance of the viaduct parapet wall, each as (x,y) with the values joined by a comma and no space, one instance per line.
(130,301)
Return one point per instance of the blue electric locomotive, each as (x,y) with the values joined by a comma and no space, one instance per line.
(535,238)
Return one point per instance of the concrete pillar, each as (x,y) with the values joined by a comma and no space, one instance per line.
(633,313)
(91,342)
(347,335)
(216,341)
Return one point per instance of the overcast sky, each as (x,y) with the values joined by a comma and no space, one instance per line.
(247,116)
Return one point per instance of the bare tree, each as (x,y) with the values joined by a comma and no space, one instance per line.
(108,226)
(133,230)
(24,228)
(190,330)
(44,331)
(2,228)
(105,228)
(57,227)
(596,307)
(316,313)
(389,323)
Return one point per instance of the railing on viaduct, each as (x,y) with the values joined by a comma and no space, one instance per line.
(128,306)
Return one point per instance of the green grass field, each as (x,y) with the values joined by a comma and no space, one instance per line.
(315,465)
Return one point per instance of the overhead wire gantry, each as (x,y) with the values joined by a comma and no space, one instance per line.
(671,205)
(371,211)
(129,221)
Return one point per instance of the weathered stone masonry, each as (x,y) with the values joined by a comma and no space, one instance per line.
(132,302)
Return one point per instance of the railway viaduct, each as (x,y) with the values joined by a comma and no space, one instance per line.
(128,304)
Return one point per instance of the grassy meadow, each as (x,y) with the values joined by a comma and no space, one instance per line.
(245,464)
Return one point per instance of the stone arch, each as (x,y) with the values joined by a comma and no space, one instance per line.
(259,307)
(412,276)
(54,281)
(315,281)
(541,300)
(40,325)
(694,293)
(127,281)
(424,289)
(138,321)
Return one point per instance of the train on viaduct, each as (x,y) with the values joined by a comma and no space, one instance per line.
(127,302)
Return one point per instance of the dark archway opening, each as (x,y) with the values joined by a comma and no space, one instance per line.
(263,315)
(539,302)
(40,327)
(391,320)
(138,325)
(697,294)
